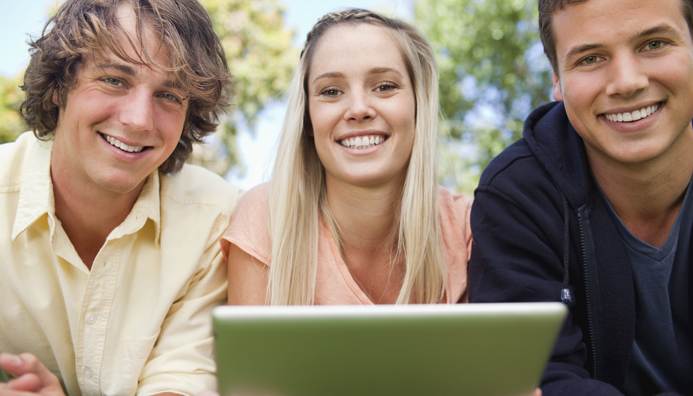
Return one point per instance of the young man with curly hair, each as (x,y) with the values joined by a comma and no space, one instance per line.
(110,261)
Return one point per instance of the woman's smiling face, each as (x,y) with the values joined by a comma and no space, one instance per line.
(362,106)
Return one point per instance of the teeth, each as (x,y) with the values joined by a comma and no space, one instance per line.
(117,143)
(634,115)
(362,142)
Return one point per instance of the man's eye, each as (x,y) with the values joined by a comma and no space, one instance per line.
(590,60)
(170,96)
(654,45)
(113,81)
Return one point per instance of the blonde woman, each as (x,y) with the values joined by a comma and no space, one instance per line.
(352,213)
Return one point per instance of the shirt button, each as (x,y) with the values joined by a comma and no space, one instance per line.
(87,372)
(134,236)
(91,319)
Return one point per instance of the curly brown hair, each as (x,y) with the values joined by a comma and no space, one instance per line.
(196,61)
(547,8)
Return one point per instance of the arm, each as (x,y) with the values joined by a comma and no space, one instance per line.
(246,246)
(32,377)
(517,256)
(247,278)
(182,360)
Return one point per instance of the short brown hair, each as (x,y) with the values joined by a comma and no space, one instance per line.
(80,27)
(547,9)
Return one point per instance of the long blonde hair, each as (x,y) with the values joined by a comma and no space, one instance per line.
(297,192)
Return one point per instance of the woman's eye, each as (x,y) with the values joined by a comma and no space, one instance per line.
(330,92)
(385,87)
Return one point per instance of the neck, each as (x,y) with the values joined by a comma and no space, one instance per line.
(89,215)
(368,231)
(365,215)
(647,196)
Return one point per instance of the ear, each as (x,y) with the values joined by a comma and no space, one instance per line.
(557,92)
(54,97)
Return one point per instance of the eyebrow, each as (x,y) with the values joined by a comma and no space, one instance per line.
(375,70)
(119,67)
(581,49)
(328,75)
(382,70)
(660,29)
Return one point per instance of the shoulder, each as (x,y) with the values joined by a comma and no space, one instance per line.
(454,205)
(14,157)
(251,211)
(249,229)
(453,213)
(515,160)
(254,199)
(518,179)
(194,185)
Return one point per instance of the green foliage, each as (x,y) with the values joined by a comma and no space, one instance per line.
(11,97)
(261,58)
(492,74)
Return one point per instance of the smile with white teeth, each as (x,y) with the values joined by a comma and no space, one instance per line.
(362,142)
(117,143)
(632,116)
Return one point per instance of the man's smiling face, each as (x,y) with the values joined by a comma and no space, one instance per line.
(120,120)
(625,74)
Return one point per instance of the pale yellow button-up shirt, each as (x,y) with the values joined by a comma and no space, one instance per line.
(139,321)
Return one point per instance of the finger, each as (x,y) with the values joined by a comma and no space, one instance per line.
(11,363)
(32,364)
(24,364)
(29,382)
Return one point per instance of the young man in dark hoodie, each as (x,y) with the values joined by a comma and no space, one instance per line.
(593,206)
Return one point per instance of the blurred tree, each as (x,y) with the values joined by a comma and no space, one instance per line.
(261,58)
(493,72)
(11,96)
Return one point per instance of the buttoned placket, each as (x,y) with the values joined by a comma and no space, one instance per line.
(97,302)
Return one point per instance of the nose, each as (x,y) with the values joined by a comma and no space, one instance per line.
(137,111)
(626,76)
(359,107)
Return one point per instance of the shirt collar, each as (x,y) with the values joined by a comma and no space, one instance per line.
(36,197)
(147,206)
(36,194)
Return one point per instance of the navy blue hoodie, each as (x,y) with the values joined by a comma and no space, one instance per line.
(541,228)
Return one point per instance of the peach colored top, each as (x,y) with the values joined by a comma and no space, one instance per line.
(334,283)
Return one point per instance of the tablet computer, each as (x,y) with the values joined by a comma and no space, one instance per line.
(398,350)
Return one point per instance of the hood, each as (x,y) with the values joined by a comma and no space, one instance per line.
(560,150)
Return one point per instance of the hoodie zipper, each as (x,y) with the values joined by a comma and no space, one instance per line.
(588,303)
